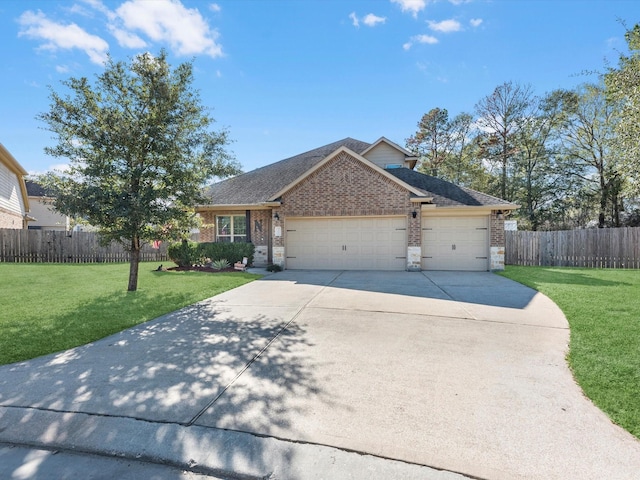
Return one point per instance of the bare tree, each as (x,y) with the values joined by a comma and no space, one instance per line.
(500,117)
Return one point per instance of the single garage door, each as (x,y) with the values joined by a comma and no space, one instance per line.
(364,243)
(455,243)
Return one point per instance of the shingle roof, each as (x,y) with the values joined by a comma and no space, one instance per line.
(445,194)
(35,189)
(263,183)
(260,185)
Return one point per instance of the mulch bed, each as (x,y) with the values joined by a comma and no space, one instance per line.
(202,269)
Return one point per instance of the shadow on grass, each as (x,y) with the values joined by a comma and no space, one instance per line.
(173,370)
(103,316)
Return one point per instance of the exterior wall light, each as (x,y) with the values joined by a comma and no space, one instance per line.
(276,216)
(414,214)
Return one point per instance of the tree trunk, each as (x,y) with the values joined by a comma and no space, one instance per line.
(604,196)
(134,262)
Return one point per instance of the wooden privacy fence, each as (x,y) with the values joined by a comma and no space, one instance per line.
(596,248)
(67,247)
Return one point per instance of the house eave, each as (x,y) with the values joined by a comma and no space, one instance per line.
(475,209)
(237,206)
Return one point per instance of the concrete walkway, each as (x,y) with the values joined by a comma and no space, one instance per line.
(430,375)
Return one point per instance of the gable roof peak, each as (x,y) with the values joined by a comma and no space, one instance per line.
(403,150)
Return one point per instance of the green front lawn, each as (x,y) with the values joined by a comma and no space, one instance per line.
(46,308)
(603,310)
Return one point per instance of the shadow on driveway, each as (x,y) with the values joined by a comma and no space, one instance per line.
(482,288)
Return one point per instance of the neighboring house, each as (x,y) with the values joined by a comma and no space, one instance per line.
(14,202)
(357,206)
(46,218)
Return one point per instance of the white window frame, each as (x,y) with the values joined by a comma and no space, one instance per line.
(232,236)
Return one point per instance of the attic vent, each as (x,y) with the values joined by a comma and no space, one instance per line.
(389,166)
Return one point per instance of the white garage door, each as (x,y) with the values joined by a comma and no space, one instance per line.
(368,243)
(455,243)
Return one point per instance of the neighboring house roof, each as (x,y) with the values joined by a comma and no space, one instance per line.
(35,189)
(262,185)
(447,194)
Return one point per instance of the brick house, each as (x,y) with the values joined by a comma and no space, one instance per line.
(356,206)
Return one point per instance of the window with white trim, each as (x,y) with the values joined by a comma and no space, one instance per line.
(231,228)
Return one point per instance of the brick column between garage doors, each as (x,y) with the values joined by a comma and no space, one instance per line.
(496,261)
(414,241)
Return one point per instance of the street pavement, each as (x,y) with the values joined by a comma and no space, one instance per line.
(325,374)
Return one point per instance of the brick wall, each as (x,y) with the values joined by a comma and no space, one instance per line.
(345,187)
(496,249)
(207,231)
(260,236)
(497,230)
(415,228)
(10,219)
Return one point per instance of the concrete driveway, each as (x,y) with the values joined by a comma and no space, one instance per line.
(431,374)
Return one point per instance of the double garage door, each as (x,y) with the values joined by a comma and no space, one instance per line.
(455,243)
(363,243)
(380,243)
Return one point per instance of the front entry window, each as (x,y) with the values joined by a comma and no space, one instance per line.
(231,228)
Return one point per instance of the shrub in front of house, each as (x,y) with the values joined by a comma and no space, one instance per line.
(187,253)
(233,252)
(184,253)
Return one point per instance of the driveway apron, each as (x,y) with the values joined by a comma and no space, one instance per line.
(463,372)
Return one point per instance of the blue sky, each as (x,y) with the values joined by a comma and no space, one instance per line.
(286,76)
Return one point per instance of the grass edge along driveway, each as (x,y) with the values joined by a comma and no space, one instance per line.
(603,311)
(48,307)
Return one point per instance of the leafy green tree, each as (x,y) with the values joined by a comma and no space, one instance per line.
(623,88)
(434,141)
(445,148)
(590,149)
(141,147)
(538,169)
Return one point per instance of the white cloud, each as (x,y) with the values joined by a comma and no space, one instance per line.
(58,168)
(425,39)
(126,39)
(169,21)
(413,6)
(354,19)
(214,7)
(475,22)
(99,6)
(459,2)
(445,26)
(57,36)
(428,39)
(371,20)
(62,69)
